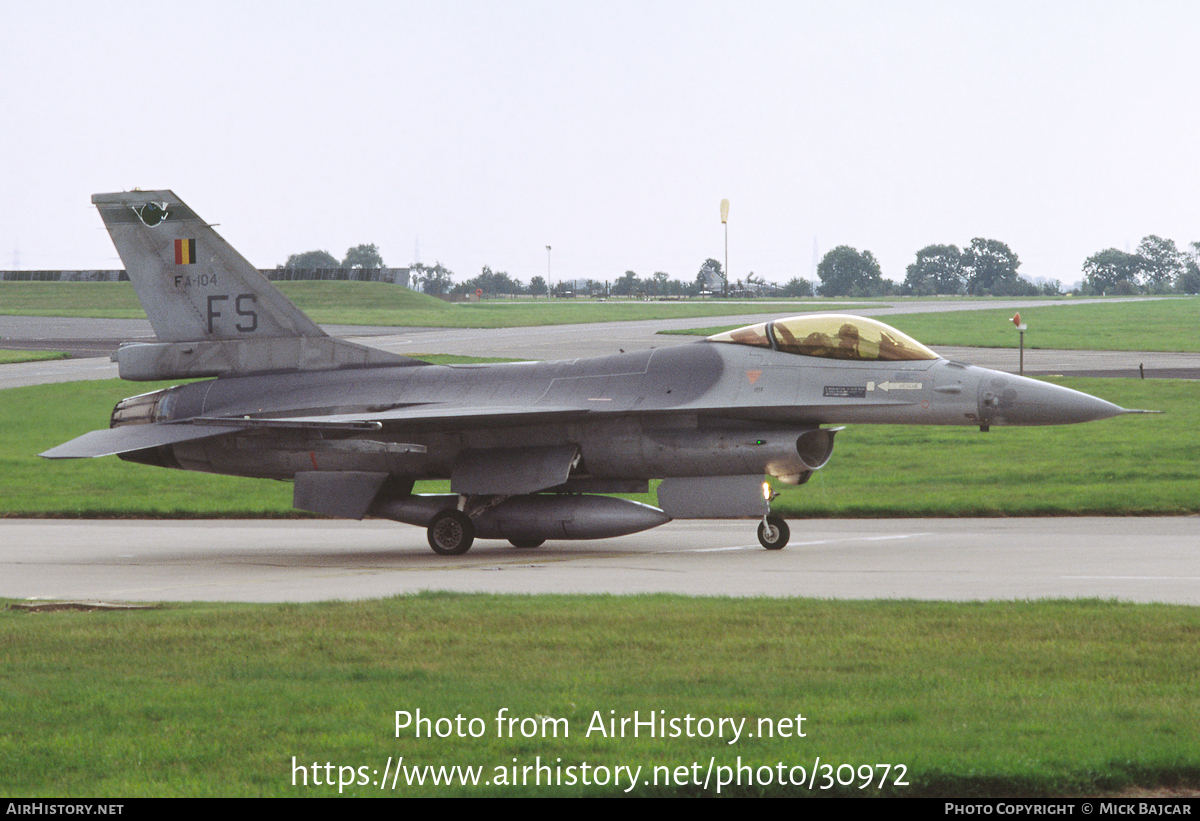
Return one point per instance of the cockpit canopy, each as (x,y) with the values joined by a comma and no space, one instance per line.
(831,336)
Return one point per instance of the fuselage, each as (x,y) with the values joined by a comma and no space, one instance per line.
(695,410)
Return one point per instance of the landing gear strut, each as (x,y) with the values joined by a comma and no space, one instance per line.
(451,533)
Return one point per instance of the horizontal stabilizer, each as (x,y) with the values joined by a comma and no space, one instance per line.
(128,438)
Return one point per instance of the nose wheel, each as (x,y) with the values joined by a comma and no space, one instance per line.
(773,532)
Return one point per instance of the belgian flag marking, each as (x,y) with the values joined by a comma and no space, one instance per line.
(185,252)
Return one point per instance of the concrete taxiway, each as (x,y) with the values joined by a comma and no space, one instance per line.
(1137,560)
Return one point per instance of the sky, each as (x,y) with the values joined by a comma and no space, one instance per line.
(477,133)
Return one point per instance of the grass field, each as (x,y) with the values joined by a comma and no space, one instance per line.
(1152,325)
(374,303)
(13,357)
(1127,465)
(1095,325)
(983,699)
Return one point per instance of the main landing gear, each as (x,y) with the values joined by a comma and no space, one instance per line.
(451,533)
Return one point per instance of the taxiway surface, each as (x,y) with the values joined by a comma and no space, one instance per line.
(1137,560)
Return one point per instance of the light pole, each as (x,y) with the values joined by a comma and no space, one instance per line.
(547,272)
(725,222)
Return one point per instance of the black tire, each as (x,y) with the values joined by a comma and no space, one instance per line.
(773,534)
(451,533)
(526,543)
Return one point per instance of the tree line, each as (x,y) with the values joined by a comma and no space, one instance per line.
(360,256)
(439,280)
(986,267)
(1156,267)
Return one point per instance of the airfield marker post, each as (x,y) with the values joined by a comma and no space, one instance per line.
(1016,320)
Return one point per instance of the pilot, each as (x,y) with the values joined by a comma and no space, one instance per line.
(847,342)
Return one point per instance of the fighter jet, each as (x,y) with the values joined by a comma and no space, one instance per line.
(529,447)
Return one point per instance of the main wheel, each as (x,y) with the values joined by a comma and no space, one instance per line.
(526,543)
(451,533)
(773,534)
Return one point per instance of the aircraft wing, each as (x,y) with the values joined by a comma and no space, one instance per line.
(127,438)
(396,417)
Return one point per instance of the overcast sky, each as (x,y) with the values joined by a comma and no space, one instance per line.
(478,133)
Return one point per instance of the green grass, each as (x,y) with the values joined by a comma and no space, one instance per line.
(1095,325)
(107,300)
(976,699)
(1158,325)
(8,357)
(374,303)
(1127,465)
(117,300)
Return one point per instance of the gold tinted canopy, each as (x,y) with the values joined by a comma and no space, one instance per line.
(830,336)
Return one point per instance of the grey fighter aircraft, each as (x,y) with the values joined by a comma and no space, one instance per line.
(528,447)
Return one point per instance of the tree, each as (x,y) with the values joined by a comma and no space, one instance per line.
(537,286)
(363,256)
(435,280)
(627,285)
(1164,263)
(312,259)
(991,267)
(1112,271)
(490,282)
(846,272)
(938,270)
(660,282)
(797,287)
(1189,281)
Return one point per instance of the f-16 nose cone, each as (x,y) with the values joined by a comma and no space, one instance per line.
(1005,399)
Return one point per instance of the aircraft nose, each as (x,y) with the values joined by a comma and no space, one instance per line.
(1005,399)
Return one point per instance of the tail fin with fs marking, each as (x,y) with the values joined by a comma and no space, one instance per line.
(213,313)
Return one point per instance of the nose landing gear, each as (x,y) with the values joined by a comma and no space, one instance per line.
(773,532)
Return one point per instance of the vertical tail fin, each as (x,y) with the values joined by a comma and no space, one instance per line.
(193,284)
(213,313)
